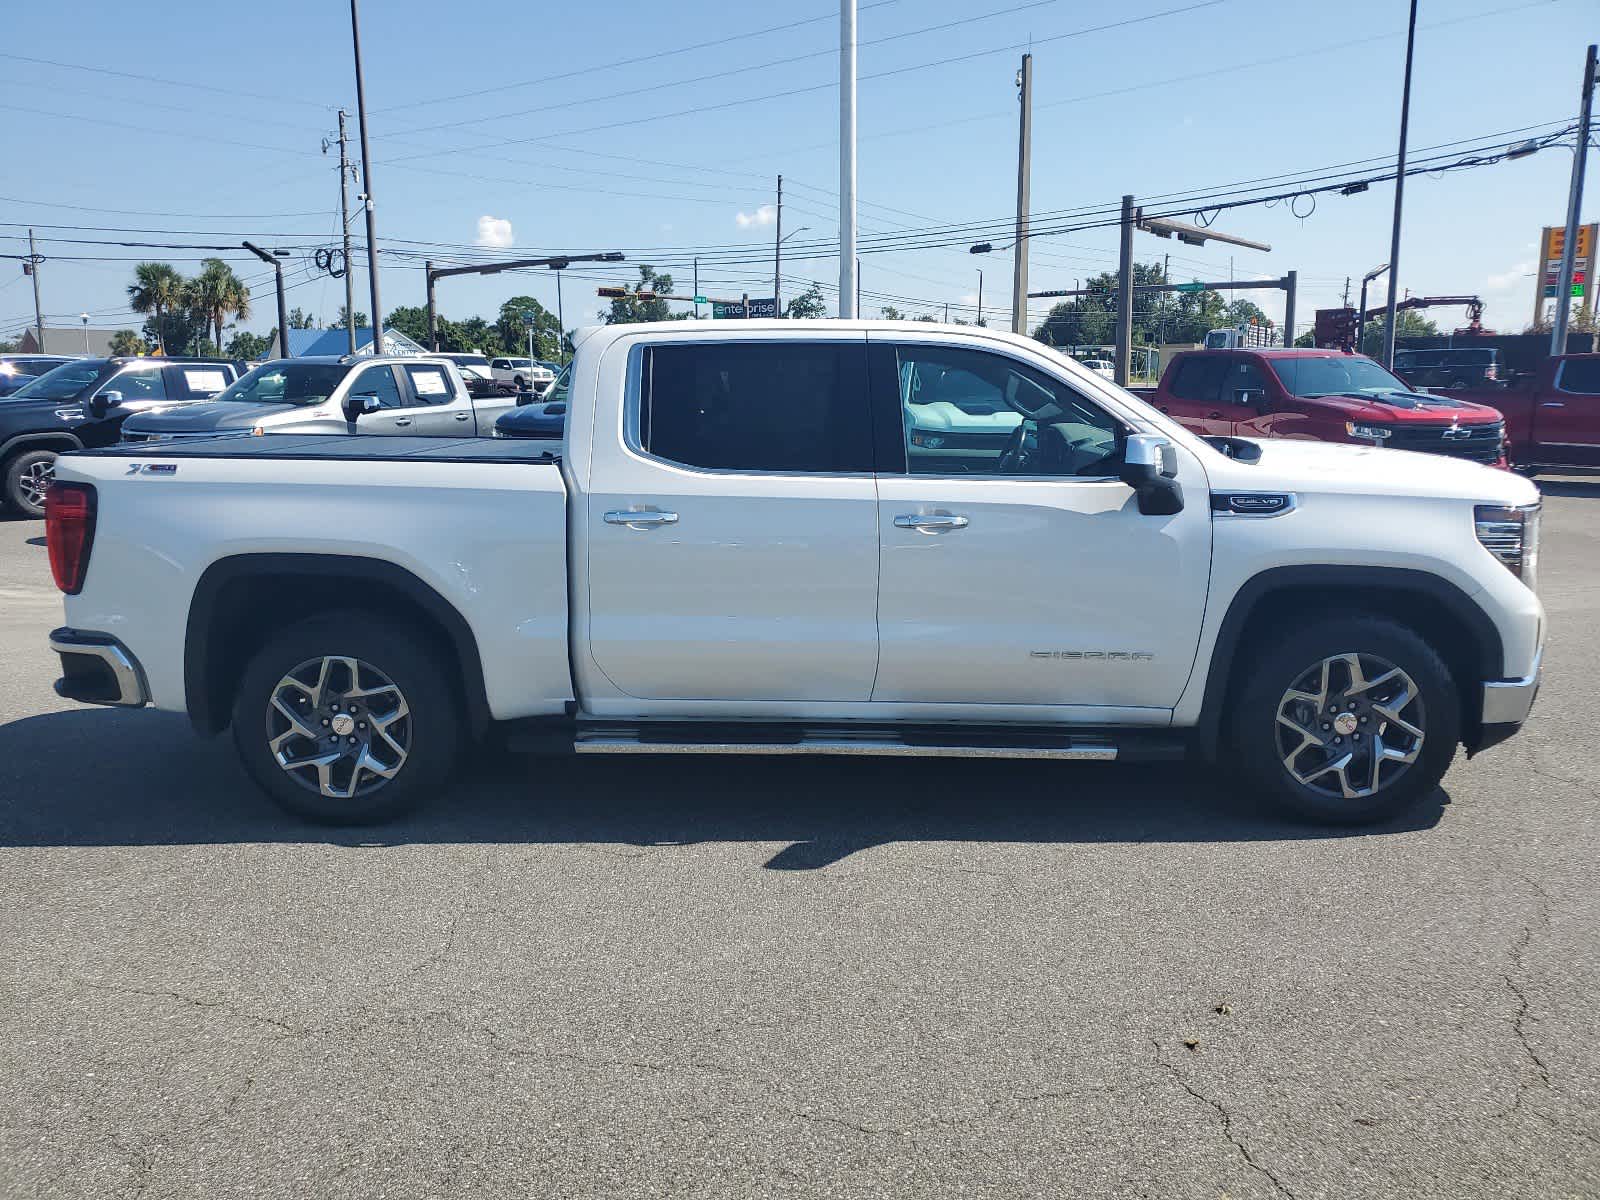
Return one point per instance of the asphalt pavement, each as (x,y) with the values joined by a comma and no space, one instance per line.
(750,978)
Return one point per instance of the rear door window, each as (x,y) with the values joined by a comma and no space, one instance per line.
(200,381)
(430,382)
(792,407)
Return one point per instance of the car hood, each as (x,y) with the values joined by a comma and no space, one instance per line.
(1292,465)
(1408,408)
(205,417)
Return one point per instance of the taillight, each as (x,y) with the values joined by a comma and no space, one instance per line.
(69,532)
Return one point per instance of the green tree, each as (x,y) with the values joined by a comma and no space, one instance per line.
(477,334)
(891,313)
(251,346)
(157,288)
(218,294)
(127,342)
(411,320)
(300,319)
(629,309)
(179,331)
(362,320)
(1406,324)
(514,332)
(808,305)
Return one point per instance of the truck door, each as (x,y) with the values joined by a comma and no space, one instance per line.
(439,409)
(1566,423)
(1194,396)
(732,528)
(396,414)
(1246,393)
(1032,579)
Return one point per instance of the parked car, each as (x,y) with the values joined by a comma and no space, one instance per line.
(522,373)
(738,550)
(472,365)
(1552,415)
(1450,367)
(84,402)
(1100,366)
(1320,395)
(348,394)
(19,370)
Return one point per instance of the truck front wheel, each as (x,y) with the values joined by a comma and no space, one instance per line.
(1346,720)
(27,475)
(346,719)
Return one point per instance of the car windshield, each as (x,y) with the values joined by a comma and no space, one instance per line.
(1335,376)
(66,382)
(299,383)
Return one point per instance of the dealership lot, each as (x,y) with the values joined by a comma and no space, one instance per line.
(738,977)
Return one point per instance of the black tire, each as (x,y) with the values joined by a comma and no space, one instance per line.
(518,381)
(420,746)
(1290,659)
(21,472)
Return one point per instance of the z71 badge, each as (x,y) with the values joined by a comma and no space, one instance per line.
(152,469)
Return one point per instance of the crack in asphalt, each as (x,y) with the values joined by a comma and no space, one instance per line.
(1520,1018)
(1227,1120)
(195,1002)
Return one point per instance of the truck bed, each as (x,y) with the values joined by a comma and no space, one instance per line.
(340,448)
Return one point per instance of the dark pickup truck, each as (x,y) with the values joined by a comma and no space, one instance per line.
(1552,414)
(1322,396)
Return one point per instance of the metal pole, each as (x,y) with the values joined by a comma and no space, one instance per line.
(1290,283)
(777,257)
(433,309)
(33,268)
(1125,295)
(947,312)
(85,317)
(980,295)
(1569,247)
(1399,196)
(283,311)
(849,281)
(1019,258)
(366,183)
(561,320)
(696,287)
(858,286)
(344,225)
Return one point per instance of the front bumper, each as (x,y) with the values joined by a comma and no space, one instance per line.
(98,669)
(1506,705)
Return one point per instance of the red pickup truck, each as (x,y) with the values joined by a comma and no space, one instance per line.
(1323,396)
(1552,414)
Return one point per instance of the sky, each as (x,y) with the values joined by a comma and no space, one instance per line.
(660,129)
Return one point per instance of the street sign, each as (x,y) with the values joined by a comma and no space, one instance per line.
(699,299)
(1190,287)
(527,320)
(721,310)
(763,308)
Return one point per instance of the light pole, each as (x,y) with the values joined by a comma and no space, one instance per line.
(1399,195)
(274,259)
(1361,313)
(366,184)
(1569,247)
(980,295)
(849,278)
(85,319)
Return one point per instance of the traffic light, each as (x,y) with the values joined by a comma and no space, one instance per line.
(1334,328)
(612,293)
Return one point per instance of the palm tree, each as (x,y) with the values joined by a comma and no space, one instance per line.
(156,288)
(217,293)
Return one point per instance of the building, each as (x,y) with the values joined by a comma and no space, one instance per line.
(304,342)
(67,339)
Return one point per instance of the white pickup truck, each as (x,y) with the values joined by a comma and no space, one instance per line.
(741,549)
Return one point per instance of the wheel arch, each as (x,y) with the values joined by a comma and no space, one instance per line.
(62,441)
(1434,608)
(241,600)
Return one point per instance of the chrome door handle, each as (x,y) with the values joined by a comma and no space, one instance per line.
(930,522)
(636,519)
(1552,404)
(402,420)
(463,416)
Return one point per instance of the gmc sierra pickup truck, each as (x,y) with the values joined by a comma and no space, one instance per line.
(1323,396)
(1552,414)
(742,548)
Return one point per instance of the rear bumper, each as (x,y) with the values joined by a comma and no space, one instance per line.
(1506,705)
(98,669)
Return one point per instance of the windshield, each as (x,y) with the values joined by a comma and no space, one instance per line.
(66,382)
(299,383)
(1335,376)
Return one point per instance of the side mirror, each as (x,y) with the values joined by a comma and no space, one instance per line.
(364,404)
(103,403)
(1150,468)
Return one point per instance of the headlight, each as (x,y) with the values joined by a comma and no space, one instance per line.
(1372,432)
(1512,536)
(71,414)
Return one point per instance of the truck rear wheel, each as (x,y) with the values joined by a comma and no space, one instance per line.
(26,476)
(1346,720)
(346,719)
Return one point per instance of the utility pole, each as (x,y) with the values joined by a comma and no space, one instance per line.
(849,265)
(696,286)
(858,286)
(1569,247)
(561,320)
(1346,301)
(947,312)
(1399,195)
(283,313)
(33,269)
(1125,295)
(366,182)
(344,226)
(980,295)
(1166,277)
(1019,259)
(777,257)
(1291,285)
(433,308)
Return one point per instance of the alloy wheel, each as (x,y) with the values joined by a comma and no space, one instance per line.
(338,726)
(35,481)
(1350,725)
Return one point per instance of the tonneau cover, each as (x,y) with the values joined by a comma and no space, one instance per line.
(346,447)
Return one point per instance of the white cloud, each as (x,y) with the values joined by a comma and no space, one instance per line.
(1518,277)
(494,232)
(765,215)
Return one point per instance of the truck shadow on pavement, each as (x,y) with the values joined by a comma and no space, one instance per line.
(100,777)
